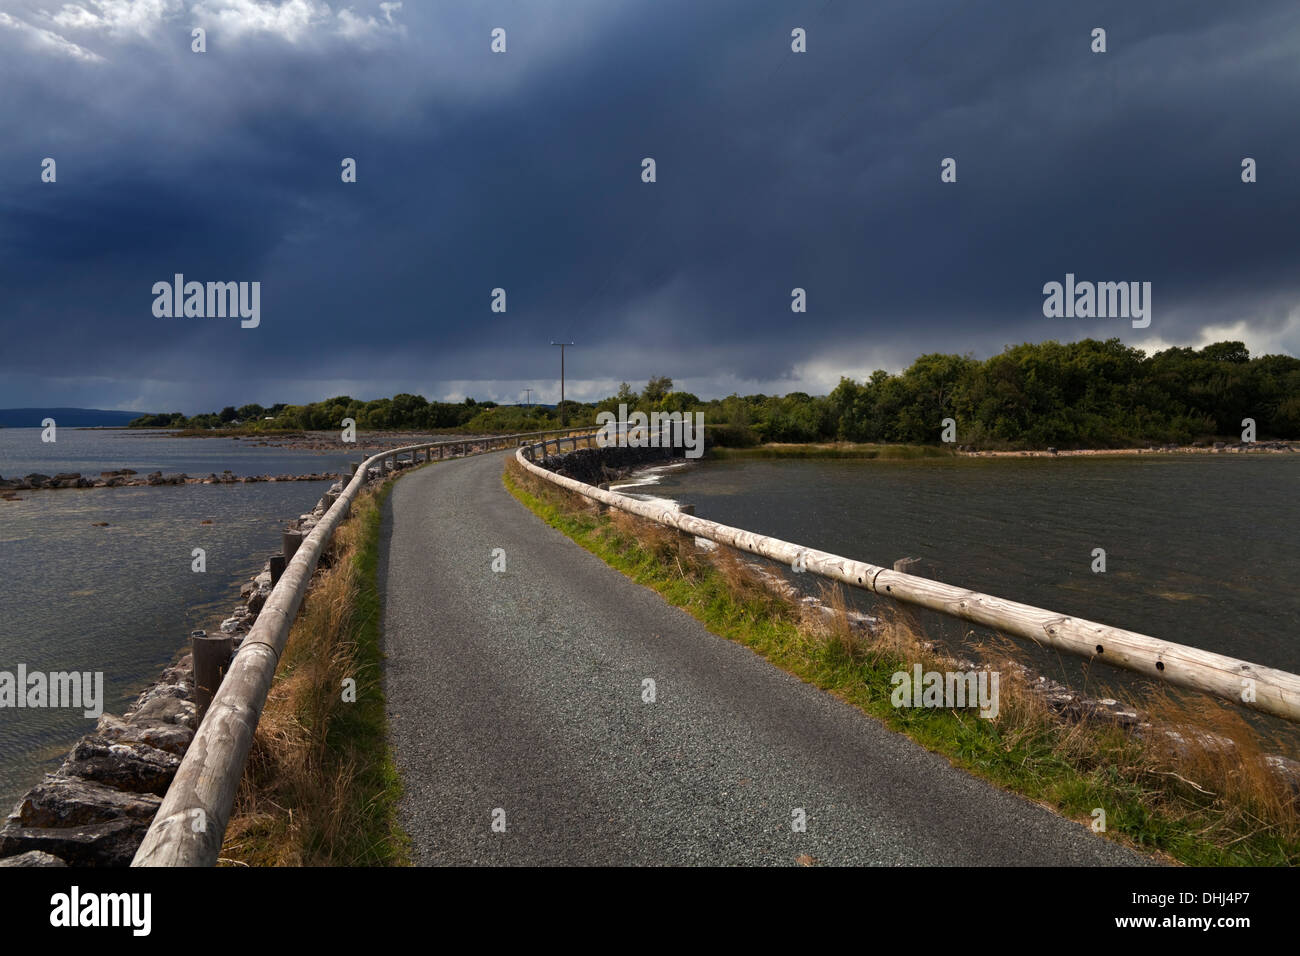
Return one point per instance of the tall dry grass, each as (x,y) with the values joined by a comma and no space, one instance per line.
(316,791)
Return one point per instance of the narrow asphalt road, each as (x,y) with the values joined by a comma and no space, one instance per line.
(516,697)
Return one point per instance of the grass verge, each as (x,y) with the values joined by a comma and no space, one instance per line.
(320,787)
(1198,806)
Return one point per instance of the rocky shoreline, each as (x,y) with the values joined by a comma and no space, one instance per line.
(371,441)
(1195,448)
(130,478)
(96,808)
(597,466)
(364,447)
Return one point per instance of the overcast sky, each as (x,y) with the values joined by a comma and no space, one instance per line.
(522,170)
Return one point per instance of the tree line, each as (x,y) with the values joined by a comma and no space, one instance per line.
(1086,394)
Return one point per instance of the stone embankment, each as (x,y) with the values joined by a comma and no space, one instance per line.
(596,466)
(95,809)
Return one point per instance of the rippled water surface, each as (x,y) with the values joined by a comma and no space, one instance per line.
(122,599)
(1201,550)
(92,450)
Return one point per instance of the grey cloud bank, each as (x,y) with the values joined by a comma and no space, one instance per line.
(523,171)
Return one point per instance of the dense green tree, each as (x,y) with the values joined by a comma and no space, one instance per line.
(1087,393)
(655,390)
(679,402)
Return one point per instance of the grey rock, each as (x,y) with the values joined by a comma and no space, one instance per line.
(134,767)
(171,736)
(181,690)
(182,672)
(1285,769)
(68,801)
(32,858)
(165,710)
(96,844)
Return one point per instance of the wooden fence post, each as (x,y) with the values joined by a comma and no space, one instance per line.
(290,538)
(211,661)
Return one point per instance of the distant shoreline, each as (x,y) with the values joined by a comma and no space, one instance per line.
(130,478)
(1217,448)
(903,452)
(331,440)
(390,438)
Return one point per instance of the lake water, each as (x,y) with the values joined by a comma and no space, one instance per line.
(123,599)
(1201,550)
(90,451)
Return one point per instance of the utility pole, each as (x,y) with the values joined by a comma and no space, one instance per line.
(528,399)
(562,346)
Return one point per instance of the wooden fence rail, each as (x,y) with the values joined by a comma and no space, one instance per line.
(191,823)
(1250,685)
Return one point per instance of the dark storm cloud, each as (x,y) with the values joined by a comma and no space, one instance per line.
(522,171)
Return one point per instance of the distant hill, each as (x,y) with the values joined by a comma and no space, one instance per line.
(64,417)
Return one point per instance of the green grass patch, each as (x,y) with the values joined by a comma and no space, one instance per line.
(359,732)
(321,787)
(1072,767)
